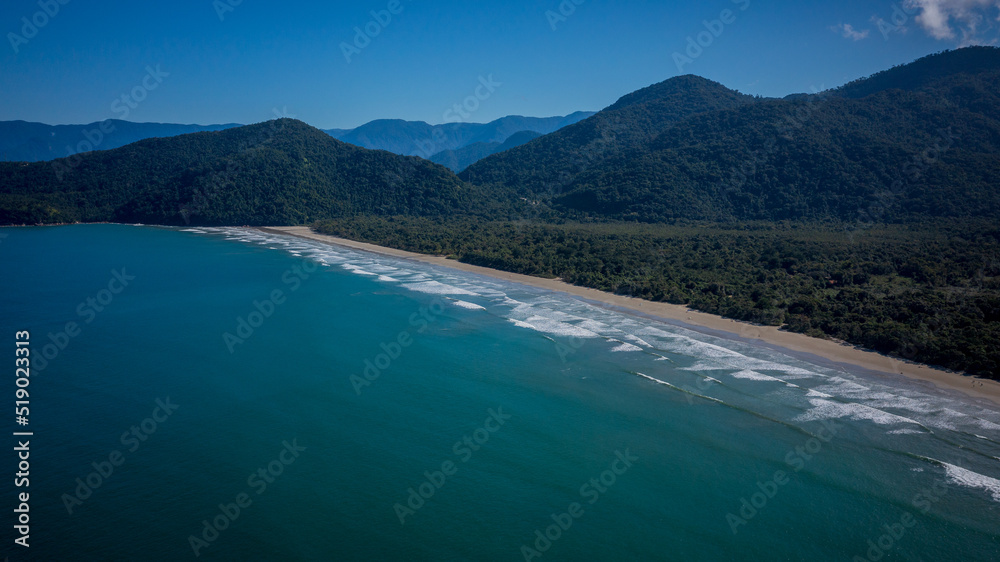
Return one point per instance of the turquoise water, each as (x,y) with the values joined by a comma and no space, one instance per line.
(681,426)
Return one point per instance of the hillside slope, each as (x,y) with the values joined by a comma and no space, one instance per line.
(279,172)
(921,140)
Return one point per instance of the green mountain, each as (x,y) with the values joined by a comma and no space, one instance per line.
(279,172)
(917,141)
(551,162)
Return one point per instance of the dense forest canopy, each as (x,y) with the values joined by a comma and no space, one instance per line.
(279,172)
(895,147)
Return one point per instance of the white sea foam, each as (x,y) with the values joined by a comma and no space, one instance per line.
(357,270)
(437,288)
(387,279)
(657,381)
(625,347)
(971,479)
(754,376)
(664,383)
(555,327)
(468,305)
(593,325)
(638,340)
(826,409)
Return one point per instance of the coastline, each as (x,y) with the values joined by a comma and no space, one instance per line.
(833,351)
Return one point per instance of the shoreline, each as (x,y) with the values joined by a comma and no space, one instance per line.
(829,350)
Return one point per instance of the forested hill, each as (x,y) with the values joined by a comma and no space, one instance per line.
(549,162)
(279,172)
(921,140)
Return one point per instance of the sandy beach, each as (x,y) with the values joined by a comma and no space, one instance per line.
(833,351)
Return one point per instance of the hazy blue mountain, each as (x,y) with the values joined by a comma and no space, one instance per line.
(458,160)
(22,141)
(417,138)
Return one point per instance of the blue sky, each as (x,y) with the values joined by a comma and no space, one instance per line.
(220,61)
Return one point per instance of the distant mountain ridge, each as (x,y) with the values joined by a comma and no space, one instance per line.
(417,138)
(462,158)
(23,141)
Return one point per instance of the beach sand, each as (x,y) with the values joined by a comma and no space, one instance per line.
(831,350)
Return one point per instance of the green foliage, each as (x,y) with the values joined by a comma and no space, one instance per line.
(547,164)
(889,149)
(929,292)
(280,172)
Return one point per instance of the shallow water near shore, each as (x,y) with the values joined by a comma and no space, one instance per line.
(399,410)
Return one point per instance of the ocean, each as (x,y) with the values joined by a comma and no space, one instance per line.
(230,394)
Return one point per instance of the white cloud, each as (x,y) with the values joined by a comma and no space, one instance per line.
(848,31)
(940,18)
